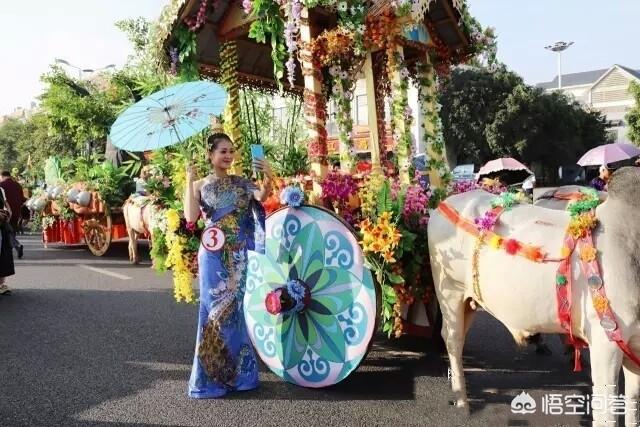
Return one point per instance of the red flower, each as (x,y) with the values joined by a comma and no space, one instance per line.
(512,246)
(272,302)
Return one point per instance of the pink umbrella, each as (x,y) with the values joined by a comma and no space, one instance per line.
(503,164)
(514,171)
(608,153)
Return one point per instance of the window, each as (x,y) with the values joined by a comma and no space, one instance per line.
(362,113)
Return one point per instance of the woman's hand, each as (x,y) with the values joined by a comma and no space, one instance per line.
(264,167)
(191,173)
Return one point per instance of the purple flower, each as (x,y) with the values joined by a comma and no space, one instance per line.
(487,221)
(247,5)
(296,9)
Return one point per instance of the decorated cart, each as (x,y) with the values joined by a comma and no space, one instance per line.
(356,255)
(76,213)
(83,219)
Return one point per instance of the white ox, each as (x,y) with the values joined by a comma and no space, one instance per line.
(521,294)
(137,217)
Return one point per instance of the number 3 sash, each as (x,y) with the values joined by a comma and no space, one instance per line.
(212,239)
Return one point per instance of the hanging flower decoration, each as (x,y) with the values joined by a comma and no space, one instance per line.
(433,136)
(183,241)
(293,9)
(194,23)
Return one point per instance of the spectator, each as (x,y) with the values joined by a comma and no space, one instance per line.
(6,251)
(14,198)
(600,181)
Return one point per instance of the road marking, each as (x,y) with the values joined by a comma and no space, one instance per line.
(105,272)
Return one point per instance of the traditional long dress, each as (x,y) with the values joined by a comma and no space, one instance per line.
(224,358)
(6,254)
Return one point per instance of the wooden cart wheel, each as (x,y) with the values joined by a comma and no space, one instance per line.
(97,233)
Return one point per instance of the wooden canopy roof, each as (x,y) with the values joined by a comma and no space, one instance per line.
(228,21)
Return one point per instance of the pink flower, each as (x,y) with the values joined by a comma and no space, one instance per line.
(191,226)
(247,5)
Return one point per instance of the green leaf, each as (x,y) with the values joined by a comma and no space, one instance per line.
(385,204)
(395,279)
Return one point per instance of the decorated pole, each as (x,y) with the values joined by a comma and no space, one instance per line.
(437,166)
(374,137)
(229,79)
(401,116)
(315,104)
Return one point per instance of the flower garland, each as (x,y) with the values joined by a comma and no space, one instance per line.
(343,86)
(401,114)
(229,80)
(176,259)
(269,24)
(293,10)
(194,23)
(432,129)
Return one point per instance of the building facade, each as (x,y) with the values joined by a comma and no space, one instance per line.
(606,91)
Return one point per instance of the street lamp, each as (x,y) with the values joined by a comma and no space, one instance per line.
(559,47)
(81,70)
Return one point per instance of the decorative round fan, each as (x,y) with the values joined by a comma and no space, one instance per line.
(310,303)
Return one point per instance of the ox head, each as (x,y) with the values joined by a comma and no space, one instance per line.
(624,187)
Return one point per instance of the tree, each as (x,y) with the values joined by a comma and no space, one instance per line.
(11,132)
(633,117)
(80,111)
(494,114)
(547,130)
(470,99)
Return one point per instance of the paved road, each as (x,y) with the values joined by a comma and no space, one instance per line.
(98,342)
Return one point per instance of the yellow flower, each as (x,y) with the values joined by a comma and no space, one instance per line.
(495,242)
(580,225)
(565,252)
(588,253)
(600,303)
(173,220)
(388,257)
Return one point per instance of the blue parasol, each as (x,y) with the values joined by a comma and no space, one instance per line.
(168,116)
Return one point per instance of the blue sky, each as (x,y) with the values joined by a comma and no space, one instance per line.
(82,32)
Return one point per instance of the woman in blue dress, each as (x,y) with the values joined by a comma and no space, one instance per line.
(224,357)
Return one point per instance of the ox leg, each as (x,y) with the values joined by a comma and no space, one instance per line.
(453,307)
(133,245)
(606,361)
(631,392)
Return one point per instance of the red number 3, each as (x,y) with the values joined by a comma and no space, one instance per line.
(213,239)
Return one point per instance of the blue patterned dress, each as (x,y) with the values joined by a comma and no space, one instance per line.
(224,357)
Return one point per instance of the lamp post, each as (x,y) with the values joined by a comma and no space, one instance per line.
(83,70)
(559,47)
